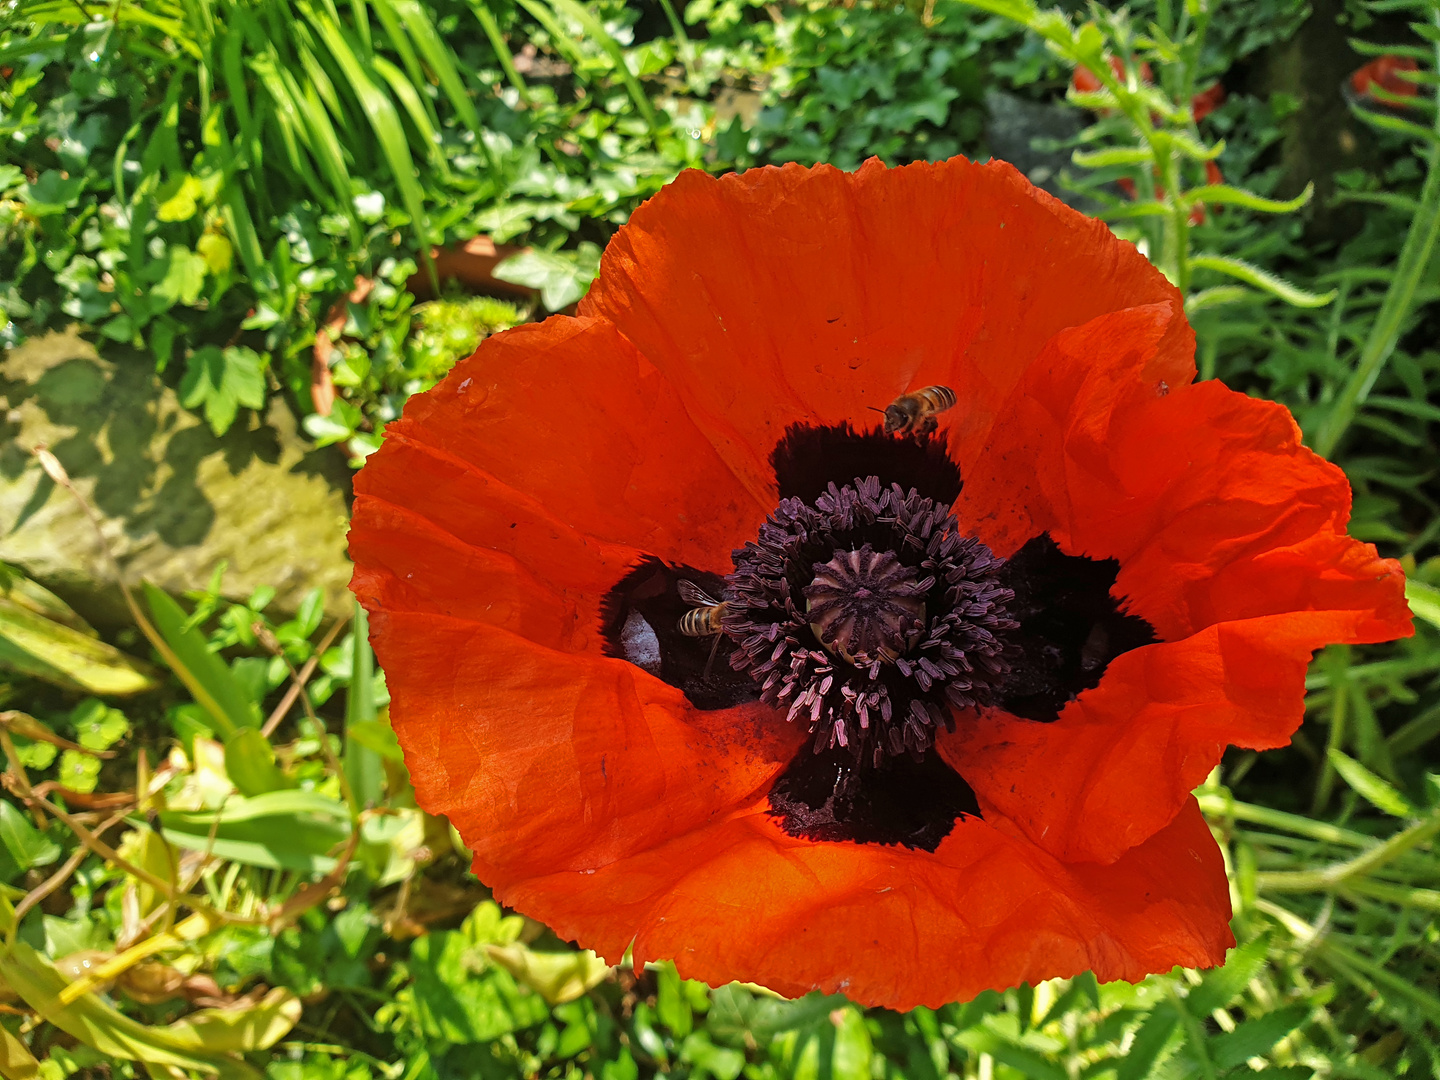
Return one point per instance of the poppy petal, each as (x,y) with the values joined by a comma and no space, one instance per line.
(563,421)
(1230,537)
(822,294)
(544,760)
(892,927)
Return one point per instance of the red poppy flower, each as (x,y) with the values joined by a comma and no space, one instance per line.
(946,737)
(1385,74)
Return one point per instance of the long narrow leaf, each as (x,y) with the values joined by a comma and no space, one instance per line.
(385,121)
(501,47)
(1262,279)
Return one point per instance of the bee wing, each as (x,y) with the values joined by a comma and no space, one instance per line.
(694,595)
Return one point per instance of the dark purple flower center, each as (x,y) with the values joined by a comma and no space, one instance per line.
(864,614)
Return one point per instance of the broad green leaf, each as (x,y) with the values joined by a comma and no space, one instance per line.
(97,726)
(26,845)
(720,1062)
(670,1004)
(250,763)
(1370,787)
(203,673)
(459,994)
(1008,1049)
(222,380)
(78,772)
(1262,279)
(52,193)
(17,588)
(61,655)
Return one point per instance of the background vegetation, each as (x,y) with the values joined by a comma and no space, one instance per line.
(211,859)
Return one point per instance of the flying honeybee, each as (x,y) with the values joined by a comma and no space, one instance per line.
(916,412)
(703,619)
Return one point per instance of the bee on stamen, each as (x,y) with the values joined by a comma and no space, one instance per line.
(915,413)
(703,618)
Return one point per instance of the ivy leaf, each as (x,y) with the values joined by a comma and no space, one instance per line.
(52,192)
(183,279)
(97,726)
(561,276)
(222,380)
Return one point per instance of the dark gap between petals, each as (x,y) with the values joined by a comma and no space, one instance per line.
(639,619)
(1071,627)
(809,458)
(915,803)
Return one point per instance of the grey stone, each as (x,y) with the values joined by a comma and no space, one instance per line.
(1037,138)
(173,499)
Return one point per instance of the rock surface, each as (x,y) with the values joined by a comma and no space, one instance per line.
(173,499)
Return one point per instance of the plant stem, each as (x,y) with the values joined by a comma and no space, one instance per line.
(1398,302)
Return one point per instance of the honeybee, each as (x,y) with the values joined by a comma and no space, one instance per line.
(703,619)
(916,412)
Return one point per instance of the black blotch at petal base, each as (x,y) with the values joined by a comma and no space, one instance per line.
(808,459)
(1071,627)
(650,590)
(827,796)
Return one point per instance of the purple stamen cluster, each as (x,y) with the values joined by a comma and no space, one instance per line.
(865,615)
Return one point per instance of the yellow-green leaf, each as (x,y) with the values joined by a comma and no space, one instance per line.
(1424,600)
(217,251)
(558,977)
(241,1031)
(179,199)
(64,656)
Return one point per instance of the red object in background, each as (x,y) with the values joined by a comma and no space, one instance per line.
(1087,82)
(1384,73)
(1202,104)
(1207,101)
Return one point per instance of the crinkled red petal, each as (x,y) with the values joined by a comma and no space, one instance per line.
(888,926)
(785,295)
(1230,538)
(547,761)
